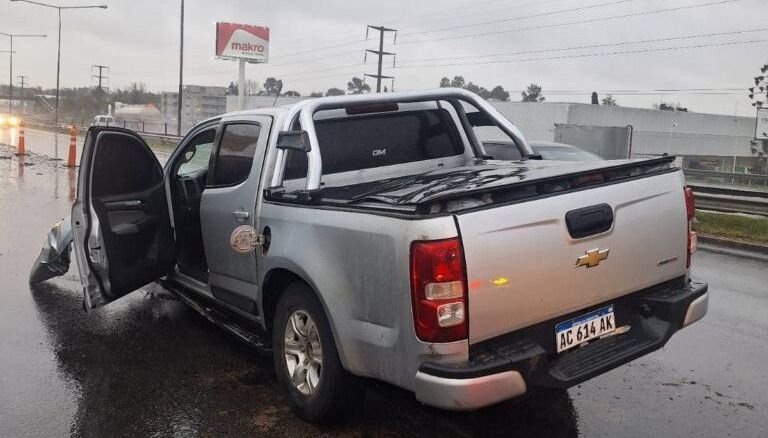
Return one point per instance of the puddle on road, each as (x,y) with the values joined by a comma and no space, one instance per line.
(57,180)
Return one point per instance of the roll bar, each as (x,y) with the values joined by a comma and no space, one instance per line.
(304,112)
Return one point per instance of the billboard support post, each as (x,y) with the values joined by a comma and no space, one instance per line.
(241,84)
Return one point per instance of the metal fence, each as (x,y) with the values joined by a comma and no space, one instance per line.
(743,180)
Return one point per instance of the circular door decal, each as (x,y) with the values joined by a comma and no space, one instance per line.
(242,239)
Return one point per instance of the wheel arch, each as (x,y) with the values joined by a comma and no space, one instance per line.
(275,283)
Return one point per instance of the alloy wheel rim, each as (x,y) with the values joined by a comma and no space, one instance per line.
(303,352)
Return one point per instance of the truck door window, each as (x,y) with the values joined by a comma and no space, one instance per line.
(197,154)
(234,158)
(123,165)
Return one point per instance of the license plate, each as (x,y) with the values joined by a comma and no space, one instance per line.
(576,331)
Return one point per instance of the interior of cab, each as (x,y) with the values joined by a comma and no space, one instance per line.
(188,179)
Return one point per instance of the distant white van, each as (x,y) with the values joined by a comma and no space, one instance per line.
(103,120)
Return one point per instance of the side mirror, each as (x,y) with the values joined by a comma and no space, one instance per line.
(294,140)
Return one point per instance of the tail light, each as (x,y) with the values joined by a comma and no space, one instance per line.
(690,207)
(439,290)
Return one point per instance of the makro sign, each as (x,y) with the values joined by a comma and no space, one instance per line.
(242,41)
(761,129)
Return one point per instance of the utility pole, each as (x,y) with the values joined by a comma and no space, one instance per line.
(181,73)
(10,72)
(23,80)
(100,76)
(58,51)
(380,53)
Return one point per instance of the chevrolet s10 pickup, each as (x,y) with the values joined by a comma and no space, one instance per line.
(373,236)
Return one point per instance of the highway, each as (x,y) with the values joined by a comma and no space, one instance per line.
(149,366)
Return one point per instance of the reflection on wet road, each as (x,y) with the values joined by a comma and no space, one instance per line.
(148,366)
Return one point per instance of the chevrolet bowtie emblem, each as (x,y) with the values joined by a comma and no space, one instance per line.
(592,258)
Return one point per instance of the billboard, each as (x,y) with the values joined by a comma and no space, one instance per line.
(242,41)
(761,128)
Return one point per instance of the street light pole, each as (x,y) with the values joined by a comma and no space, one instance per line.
(58,53)
(58,75)
(181,73)
(10,75)
(10,79)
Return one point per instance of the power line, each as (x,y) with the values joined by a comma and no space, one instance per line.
(569,23)
(589,46)
(311,75)
(657,91)
(523,17)
(589,55)
(428,14)
(321,70)
(485,13)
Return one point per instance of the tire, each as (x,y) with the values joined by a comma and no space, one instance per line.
(323,391)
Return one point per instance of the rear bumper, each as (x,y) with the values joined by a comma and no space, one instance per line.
(505,367)
(469,393)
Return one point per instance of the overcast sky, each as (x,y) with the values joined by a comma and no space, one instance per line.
(311,40)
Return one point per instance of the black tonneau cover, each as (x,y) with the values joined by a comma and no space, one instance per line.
(505,181)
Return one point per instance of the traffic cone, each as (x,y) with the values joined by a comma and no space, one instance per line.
(21,148)
(72,146)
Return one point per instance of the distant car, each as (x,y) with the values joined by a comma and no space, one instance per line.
(103,120)
(548,150)
(9,120)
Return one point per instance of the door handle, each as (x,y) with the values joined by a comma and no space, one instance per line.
(123,205)
(241,214)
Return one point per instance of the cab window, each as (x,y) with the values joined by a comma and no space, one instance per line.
(234,158)
(197,154)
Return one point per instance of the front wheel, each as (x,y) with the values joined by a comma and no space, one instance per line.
(306,360)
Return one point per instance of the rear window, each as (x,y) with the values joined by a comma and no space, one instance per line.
(370,141)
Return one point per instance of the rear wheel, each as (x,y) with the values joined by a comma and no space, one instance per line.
(306,360)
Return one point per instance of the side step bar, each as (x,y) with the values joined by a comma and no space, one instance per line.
(253,337)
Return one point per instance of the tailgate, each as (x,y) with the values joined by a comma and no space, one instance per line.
(521,259)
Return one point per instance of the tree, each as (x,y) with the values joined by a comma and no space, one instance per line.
(608,100)
(533,94)
(758,147)
(670,107)
(232,89)
(595,100)
(445,82)
(136,93)
(291,93)
(252,88)
(334,92)
(273,86)
(316,94)
(482,92)
(499,93)
(357,86)
(458,82)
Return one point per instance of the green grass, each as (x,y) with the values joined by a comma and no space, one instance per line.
(732,226)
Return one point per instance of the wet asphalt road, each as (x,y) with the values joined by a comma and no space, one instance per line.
(149,366)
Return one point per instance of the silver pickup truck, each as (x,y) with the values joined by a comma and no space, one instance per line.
(373,236)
